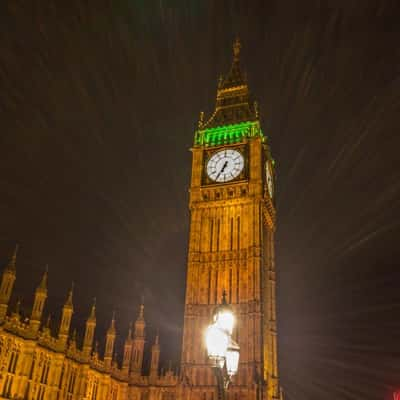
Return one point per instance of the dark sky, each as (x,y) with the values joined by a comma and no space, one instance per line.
(98,105)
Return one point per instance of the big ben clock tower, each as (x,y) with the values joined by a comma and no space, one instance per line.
(231,244)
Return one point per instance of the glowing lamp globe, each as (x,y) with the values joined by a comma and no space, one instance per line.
(232,358)
(217,342)
(225,320)
(224,317)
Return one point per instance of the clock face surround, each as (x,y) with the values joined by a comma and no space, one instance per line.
(225,165)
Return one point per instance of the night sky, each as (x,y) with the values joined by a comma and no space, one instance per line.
(99,101)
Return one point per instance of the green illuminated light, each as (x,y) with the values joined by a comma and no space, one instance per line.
(227,134)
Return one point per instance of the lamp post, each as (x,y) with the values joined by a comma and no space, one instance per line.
(222,350)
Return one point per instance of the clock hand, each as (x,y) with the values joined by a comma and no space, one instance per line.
(222,170)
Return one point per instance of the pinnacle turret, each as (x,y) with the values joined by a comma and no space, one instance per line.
(110,340)
(68,302)
(92,316)
(7,284)
(38,303)
(111,330)
(66,317)
(89,332)
(155,358)
(43,283)
(11,266)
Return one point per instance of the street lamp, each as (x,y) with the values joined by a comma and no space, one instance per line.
(222,350)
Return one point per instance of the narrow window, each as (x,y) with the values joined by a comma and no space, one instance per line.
(218,231)
(238,233)
(209,285)
(230,285)
(231,231)
(216,286)
(211,233)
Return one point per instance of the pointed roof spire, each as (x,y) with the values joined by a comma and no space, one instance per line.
(141,310)
(11,266)
(43,283)
(92,316)
(111,329)
(68,302)
(233,104)
(234,77)
(236,49)
(129,336)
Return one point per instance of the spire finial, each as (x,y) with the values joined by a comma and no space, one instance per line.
(13,260)
(201,119)
(256,108)
(69,298)
(220,81)
(236,49)
(92,315)
(111,329)
(43,282)
(129,336)
(141,312)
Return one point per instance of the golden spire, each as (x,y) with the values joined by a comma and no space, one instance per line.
(201,119)
(236,49)
(233,104)
(68,302)
(92,316)
(43,283)
(111,329)
(141,311)
(129,336)
(11,266)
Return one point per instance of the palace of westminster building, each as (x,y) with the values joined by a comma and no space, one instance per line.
(231,249)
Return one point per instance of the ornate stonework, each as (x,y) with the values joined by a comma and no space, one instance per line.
(231,244)
(35,365)
(231,248)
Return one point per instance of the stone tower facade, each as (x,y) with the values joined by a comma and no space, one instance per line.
(231,243)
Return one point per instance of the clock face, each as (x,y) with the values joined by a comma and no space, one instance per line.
(225,165)
(268,175)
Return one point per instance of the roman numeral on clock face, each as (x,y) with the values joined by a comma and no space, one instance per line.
(225,165)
